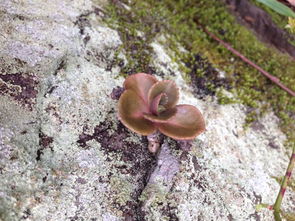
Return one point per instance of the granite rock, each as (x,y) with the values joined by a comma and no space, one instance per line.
(65,156)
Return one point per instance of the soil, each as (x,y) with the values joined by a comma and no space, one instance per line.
(21,86)
(206,83)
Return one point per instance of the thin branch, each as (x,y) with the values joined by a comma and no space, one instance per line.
(277,205)
(234,51)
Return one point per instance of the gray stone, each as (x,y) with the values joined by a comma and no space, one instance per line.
(65,156)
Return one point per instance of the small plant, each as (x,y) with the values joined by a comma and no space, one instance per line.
(148,105)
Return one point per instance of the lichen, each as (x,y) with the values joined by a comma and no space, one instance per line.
(154,199)
(122,190)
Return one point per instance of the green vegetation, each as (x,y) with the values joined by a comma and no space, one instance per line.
(290,184)
(136,35)
(148,20)
(280,20)
(278,7)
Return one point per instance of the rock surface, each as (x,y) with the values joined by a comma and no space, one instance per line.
(65,156)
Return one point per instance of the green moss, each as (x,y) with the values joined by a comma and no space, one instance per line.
(176,20)
(137,30)
(224,99)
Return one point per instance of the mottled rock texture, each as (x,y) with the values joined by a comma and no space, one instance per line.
(65,156)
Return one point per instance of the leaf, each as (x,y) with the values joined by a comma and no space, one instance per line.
(167,87)
(140,83)
(154,106)
(131,110)
(185,124)
(278,7)
(162,117)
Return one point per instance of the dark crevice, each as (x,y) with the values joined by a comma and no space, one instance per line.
(140,214)
(61,65)
(44,142)
(27,213)
(254,216)
(44,179)
(39,153)
(204,77)
(82,21)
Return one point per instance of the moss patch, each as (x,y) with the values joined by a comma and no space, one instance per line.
(133,26)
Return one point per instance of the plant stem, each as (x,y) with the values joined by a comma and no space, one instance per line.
(277,205)
(154,140)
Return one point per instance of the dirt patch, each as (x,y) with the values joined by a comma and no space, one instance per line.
(261,23)
(204,77)
(117,92)
(21,86)
(116,142)
(44,142)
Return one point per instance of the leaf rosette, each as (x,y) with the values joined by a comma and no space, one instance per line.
(148,105)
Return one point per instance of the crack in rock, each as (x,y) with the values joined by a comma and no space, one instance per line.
(166,168)
(160,178)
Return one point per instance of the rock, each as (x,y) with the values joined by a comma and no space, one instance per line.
(65,156)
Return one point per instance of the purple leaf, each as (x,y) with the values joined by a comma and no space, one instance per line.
(140,83)
(131,113)
(186,124)
(162,117)
(167,87)
(154,106)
